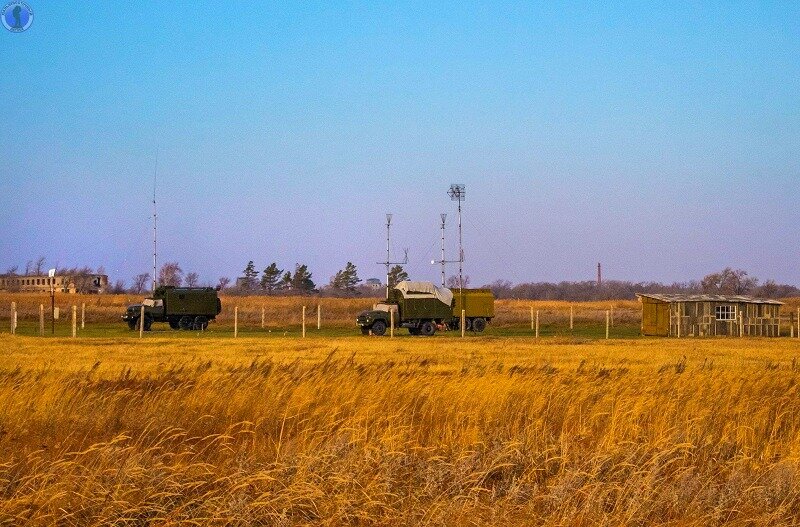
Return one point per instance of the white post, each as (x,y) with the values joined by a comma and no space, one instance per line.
(13,318)
(304,321)
(74,321)
(537,323)
(391,321)
(571,317)
(83,315)
(741,324)
(319,317)
(532,326)
(608,322)
(236,322)
(41,320)
(262,317)
(141,321)
(463,323)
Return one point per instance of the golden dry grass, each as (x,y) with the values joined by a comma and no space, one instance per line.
(373,431)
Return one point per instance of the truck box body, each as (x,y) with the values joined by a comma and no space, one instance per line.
(189,301)
(476,303)
(421,300)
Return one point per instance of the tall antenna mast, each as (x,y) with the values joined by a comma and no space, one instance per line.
(155,224)
(388,261)
(443,261)
(457,193)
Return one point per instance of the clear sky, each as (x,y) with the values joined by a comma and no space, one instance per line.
(660,140)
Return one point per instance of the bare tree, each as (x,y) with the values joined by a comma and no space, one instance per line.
(13,270)
(223,282)
(170,274)
(453,282)
(38,267)
(192,279)
(729,282)
(140,282)
(118,288)
(28,267)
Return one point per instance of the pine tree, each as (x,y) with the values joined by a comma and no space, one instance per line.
(350,277)
(286,281)
(346,279)
(271,277)
(301,281)
(397,275)
(250,276)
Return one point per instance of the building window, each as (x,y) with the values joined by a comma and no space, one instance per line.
(725,312)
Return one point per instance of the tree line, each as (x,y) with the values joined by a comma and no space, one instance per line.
(273,280)
(726,282)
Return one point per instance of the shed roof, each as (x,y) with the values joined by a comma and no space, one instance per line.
(734,299)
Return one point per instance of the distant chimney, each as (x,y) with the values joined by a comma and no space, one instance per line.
(599,275)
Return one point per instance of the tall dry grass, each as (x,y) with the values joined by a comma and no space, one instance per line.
(407,432)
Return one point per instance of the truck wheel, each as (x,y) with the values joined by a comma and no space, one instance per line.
(185,322)
(364,331)
(427,329)
(200,323)
(148,322)
(173,323)
(132,323)
(413,331)
(378,327)
(479,324)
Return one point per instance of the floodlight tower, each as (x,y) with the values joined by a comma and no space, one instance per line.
(457,193)
(388,261)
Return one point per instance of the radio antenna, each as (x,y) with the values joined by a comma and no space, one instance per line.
(443,261)
(155,225)
(388,261)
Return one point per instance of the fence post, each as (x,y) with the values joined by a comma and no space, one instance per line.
(537,323)
(463,323)
(391,322)
(608,322)
(304,321)
(236,322)
(41,320)
(262,317)
(83,315)
(74,321)
(532,326)
(741,324)
(791,325)
(141,321)
(319,316)
(13,318)
(571,317)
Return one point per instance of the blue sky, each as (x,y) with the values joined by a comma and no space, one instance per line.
(658,139)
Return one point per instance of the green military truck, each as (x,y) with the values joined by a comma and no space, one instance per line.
(424,308)
(180,307)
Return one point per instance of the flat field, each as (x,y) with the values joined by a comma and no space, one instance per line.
(343,430)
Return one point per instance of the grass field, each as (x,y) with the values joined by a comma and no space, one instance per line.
(191,429)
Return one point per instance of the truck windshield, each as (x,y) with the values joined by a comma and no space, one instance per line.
(149,302)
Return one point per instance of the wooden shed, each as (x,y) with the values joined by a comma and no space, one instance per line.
(672,315)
